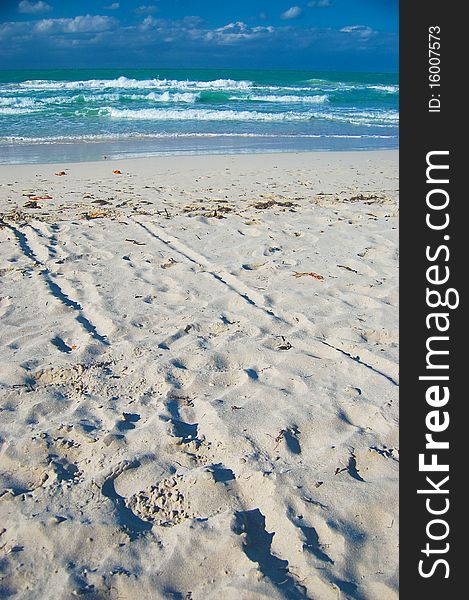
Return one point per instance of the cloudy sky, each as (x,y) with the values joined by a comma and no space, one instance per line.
(354,35)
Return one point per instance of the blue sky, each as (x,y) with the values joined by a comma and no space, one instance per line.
(348,35)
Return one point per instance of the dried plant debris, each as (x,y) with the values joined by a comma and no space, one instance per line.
(363,198)
(263,205)
(370,198)
(279,438)
(97,214)
(308,274)
(16,216)
(209,212)
(31,204)
(347,268)
(37,197)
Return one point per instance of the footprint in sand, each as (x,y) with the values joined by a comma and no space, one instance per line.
(271,250)
(127,421)
(199,493)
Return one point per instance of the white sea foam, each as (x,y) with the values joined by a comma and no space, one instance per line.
(9,110)
(8,101)
(187,97)
(318,99)
(18,102)
(388,89)
(149,136)
(162,84)
(10,106)
(67,100)
(27,102)
(158,114)
(87,98)
(338,86)
(125,83)
(389,116)
(378,118)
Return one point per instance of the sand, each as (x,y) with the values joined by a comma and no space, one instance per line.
(199,378)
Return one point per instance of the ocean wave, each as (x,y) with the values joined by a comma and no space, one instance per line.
(158,114)
(378,118)
(18,102)
(204,97)
(79,99)
(317,81)
(28,102)
(316,92)
(172,84)
(83,106)
(390,116)
(84,98)
(13,110)
(125,83)
(346,86)
(319,99)
(388,89)
(187,97)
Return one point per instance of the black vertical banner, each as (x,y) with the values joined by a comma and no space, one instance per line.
(433,358)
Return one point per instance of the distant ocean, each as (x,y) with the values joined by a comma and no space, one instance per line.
(72,115)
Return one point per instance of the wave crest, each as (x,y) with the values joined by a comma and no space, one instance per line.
(126,83)
(159,114)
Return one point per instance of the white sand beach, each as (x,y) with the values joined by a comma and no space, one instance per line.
(199,378)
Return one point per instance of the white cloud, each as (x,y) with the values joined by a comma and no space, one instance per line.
(292,13)
(187,24)
(80,24)
(82,39)
(361,30)
(237,32)
(146,9)
(149,23)
(33,8)
(192,29)
(113,6)
(192,21)
(320,4)
(11,31)
(239,26)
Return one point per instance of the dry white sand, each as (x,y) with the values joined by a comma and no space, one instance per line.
(181,416)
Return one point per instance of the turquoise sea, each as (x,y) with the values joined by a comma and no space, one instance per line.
(68,115)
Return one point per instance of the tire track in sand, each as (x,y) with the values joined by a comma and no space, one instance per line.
(252,297)
(231,282)
(54,288)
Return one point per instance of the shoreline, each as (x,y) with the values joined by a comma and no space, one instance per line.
(84,152)
(376,152)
